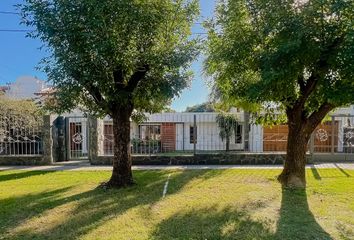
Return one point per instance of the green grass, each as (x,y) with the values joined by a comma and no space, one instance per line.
(200,204)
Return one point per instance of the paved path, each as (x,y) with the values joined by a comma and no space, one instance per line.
(85,166)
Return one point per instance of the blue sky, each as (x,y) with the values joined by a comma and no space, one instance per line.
(20,55)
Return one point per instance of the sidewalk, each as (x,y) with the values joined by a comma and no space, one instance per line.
(85,166)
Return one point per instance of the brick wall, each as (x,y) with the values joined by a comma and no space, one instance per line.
(168,137)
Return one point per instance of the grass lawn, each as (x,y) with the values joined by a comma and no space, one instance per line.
(200,204)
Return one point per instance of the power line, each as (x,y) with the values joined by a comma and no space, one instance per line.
(15,30)
(11,13)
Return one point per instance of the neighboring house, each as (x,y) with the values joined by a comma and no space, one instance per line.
(3,89)
(24,87)
(45,95)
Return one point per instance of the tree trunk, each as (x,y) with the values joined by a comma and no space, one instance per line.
(122,174)
(293,175)
(227,144)
(300,130)
(246,131)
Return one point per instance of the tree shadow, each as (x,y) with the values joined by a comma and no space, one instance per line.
(342,170)
(211,223)
(14,210)
(92,208)
(21,174)
(296,220)
(315,173)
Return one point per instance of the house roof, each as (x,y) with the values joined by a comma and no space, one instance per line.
(4,88)
(187,117)
(46,91)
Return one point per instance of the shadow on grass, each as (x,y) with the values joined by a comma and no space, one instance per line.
(20,175)
(315,173)
(337,172)
(212,223)
(14,210)
(296,222)
(342,170)
(90,209)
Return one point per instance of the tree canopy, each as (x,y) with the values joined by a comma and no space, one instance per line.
(117,58)
(295,56)
(104,53)
(285,52)
(19,113)
(227,124)
(203,107)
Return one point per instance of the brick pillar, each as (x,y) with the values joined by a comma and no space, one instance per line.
(47,139)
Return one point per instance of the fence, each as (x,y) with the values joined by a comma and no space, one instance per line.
(203,133)
(20,136)
(177,134)
(168,134)
(335,136)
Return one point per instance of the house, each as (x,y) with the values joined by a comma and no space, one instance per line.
(186,132)
(3,89)
(175,132)
(24,87)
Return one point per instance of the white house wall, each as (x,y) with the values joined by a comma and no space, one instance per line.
(208,137)
(187,117)
(256,138)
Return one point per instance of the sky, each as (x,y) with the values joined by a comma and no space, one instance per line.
(20,55)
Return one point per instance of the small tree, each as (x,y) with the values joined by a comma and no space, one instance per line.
(203,107)
(227,124)
(115,56)
(22,114)
(295,55)
(20,125)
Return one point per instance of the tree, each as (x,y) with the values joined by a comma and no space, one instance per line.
(295,55)
(227,124)
(203,107)
(20,125)
(24,114)
(113,57)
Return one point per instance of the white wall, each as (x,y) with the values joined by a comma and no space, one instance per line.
(256,138)
(24,88)
(208,137)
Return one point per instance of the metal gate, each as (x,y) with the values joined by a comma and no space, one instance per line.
(77,138)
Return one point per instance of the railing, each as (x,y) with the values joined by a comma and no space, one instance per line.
(177,134)
(20,136)
(202,133)
(333,136)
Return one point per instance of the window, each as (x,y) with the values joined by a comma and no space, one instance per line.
(238,133)
(150,132)
(193,134)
